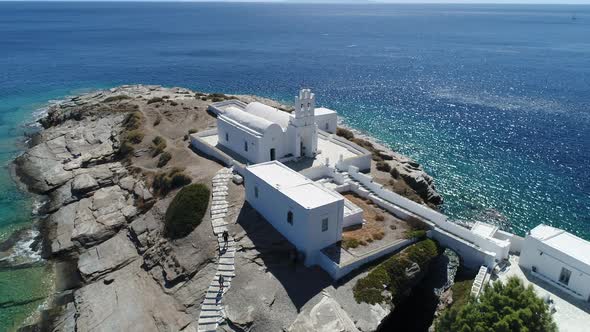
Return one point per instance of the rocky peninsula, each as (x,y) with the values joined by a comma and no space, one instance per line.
(100,162)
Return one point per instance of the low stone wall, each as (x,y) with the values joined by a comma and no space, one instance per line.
(217,108)
(500,247)
(336,271)
(355,216)
(198,143)
(362,160)
(201,145)
(318,172)
(471,255)
(516,241)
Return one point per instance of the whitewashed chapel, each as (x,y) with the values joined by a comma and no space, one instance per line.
(259,133)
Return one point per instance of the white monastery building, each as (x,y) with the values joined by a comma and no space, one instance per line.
(558,257)
(308,214)
(259,133)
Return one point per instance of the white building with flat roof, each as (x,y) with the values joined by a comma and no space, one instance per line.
(326,119)
(259,133)
(308,214)
(559,257)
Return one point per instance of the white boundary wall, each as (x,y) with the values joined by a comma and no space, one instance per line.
(362,159)
(217,108)
(337,272)
(198,143)
(499,247)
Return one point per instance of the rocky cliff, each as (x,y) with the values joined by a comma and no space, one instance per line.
(102,224)
(102,227)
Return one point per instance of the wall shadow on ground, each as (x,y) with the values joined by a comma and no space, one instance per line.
(276,252)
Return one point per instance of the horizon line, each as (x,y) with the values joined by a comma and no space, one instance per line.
(360,2)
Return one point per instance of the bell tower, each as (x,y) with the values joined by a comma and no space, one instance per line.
(305,138)
(304,108)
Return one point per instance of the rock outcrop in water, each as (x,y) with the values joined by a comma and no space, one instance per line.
(396,171)
(102,228)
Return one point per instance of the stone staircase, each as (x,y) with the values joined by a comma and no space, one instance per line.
(348,179)
(212,311)
(480,281)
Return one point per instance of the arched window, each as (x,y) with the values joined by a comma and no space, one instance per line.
(290,217)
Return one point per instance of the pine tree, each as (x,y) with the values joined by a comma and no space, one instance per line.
(508,307)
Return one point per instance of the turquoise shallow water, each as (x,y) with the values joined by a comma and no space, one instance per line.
(493,100)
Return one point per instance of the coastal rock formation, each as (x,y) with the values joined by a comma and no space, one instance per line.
(104,224)
(108,256)
(128,301)
(414,176)
(398,172)
(101,217)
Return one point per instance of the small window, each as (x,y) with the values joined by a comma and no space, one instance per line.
(290,217)
(245,145)
(227,137)
(564,277)
(301,106)
(324,224)
(308,104)
(327,126)
(256,191)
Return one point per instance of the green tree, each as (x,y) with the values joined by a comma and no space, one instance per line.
(509,307)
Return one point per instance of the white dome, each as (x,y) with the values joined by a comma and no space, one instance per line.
(269,113)
(250,121)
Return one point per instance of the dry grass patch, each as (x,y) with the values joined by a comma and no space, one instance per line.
(374,227)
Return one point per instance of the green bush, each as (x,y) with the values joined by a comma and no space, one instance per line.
(192,131)
(132,121)
(186,211)
(155,100)
(218,96)
(461,292)
(164,182)
(126,149)
(158,145)
(417,223)
(159,140)
(134,136)
(350,243)
(391,274)
(501,307)
(115,98)
(379,236)
(164,159)
(416,233)
(343,132)
(383,166)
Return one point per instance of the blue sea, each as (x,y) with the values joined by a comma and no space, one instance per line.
(493,100)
